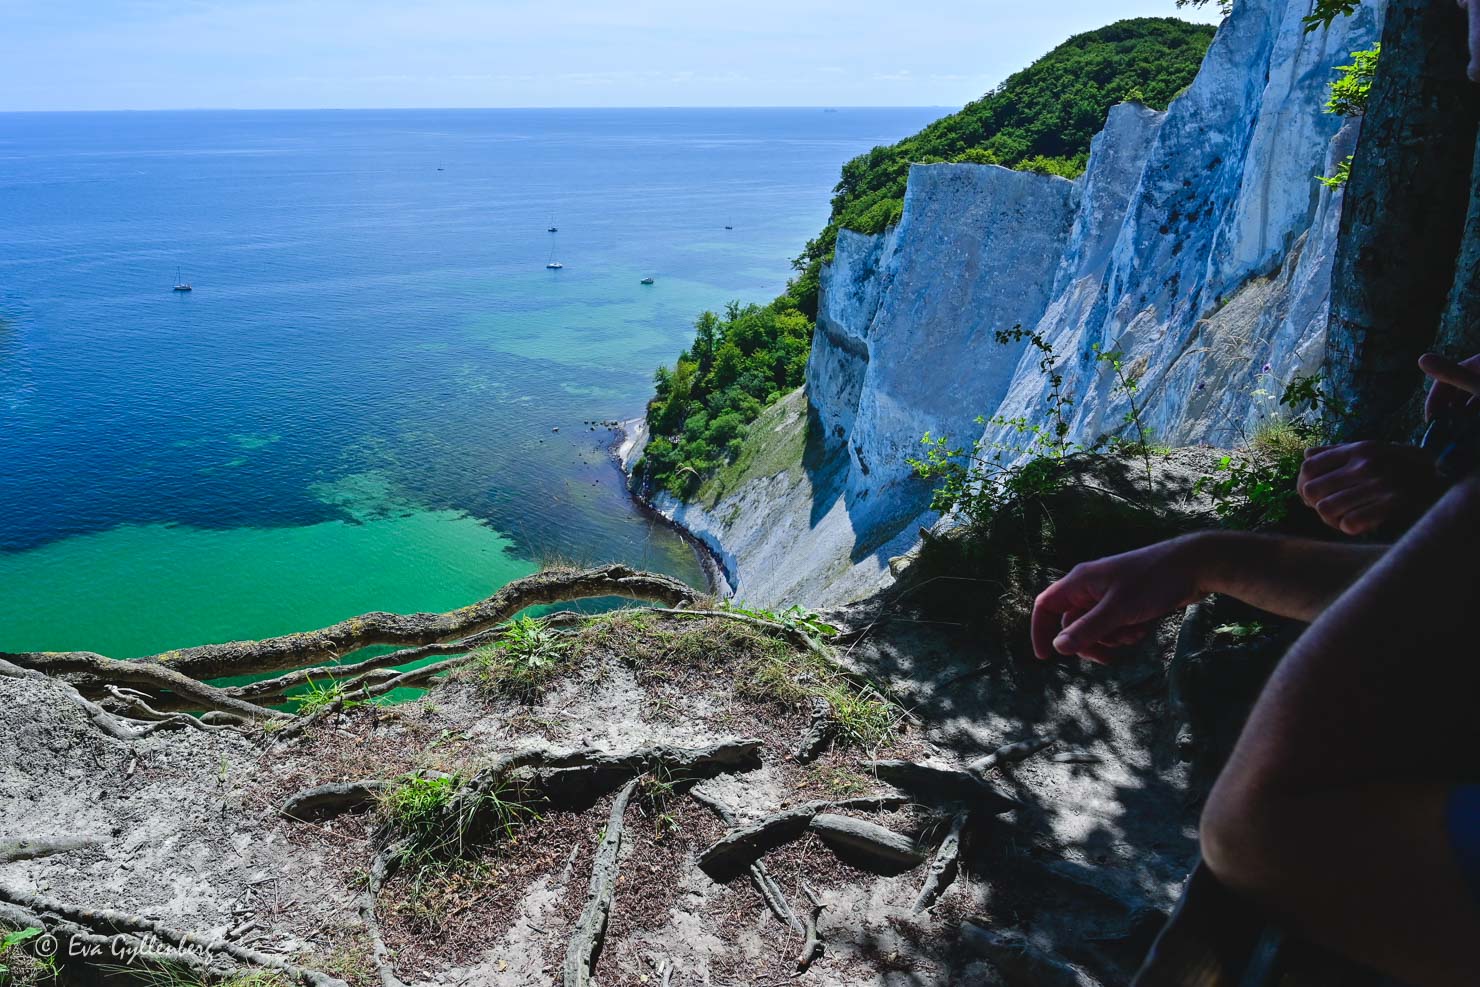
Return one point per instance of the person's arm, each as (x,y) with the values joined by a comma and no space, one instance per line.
(1103,605)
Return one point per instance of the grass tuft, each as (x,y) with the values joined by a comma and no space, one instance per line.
(521,663)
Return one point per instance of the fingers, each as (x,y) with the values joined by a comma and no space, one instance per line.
(1335,509)
(1454,383)
(1323,463)
(1322,488)
(1087,634)
(1369,517)
(1048,611)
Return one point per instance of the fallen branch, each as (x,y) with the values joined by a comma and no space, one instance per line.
(109,923)
(590,928)
(212,661)
(943,866)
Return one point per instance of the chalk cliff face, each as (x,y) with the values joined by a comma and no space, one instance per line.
(1197,244)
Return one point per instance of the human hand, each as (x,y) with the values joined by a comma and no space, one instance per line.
(1455,384)
(1357,487)
(1113,602)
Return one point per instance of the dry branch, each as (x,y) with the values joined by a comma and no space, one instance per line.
(812,945)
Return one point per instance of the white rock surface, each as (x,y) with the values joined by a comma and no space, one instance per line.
(1197,244)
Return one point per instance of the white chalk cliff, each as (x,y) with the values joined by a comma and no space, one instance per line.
(1197,243)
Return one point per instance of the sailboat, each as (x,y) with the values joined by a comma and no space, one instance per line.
(179,284)
(553,228)
(554,264)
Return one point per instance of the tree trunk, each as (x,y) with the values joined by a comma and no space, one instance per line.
(1402,218)
(1459,332)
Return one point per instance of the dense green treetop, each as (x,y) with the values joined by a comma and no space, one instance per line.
(1040,119)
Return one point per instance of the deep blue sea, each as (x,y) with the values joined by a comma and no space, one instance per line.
(354,409)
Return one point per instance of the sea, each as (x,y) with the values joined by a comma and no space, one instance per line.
(377,395)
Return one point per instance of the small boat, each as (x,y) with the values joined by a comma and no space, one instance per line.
(181,285)
(553,229)
(728,226)
(647,280)
(555,265)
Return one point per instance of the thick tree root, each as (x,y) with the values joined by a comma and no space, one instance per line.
(380,954)
(32,849)
(737,849)
(812,945)
(819,732)
(765,884)
(590,928)
(314,647)
(105,671)
(936,783)
(323,801)
(943,866)
(1009,753)
(137,704)
(867,842)
(107,923)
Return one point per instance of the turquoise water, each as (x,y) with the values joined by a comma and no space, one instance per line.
(355,408)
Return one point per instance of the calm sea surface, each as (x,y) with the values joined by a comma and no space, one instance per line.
(354,409)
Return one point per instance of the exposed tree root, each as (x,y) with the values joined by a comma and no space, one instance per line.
(332,799)
(112,671)
(937,783)
(380,954)
(765,884)
(812,945)
(943,866)
(877,845)
(137,703)
(738,848)
(32,849)
(212,661)
(106,923)
(590,928)
(819,732)
(1009,753)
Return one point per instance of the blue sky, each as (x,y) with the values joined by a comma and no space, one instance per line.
(159,54)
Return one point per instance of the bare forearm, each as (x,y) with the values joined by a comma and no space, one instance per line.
(1292,577)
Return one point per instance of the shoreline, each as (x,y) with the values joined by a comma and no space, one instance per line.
(628,437)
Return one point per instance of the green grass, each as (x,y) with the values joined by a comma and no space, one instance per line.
(523,662)
(433,825)
(321,695)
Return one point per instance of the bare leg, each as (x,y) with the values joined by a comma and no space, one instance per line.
(1331,810)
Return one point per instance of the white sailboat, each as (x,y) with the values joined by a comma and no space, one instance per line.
(181,285)
(553,265)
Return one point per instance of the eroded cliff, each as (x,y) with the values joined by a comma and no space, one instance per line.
(1198,245)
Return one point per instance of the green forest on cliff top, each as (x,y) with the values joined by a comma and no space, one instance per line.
(1040,119)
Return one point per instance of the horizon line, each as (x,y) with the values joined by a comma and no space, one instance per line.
(475,109)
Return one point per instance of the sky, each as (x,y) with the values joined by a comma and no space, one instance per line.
(263,54)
